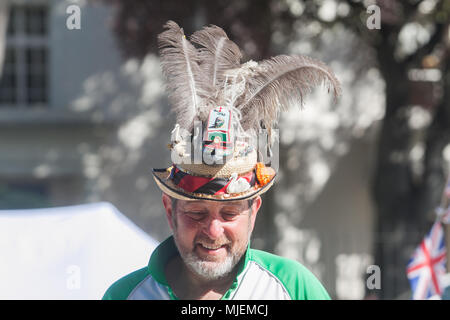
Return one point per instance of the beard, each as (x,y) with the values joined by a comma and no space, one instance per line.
(211,270)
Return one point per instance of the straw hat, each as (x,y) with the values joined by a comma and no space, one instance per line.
(222,106)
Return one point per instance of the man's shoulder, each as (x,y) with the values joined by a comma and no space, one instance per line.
(280,266)
(299,281)
(122,288)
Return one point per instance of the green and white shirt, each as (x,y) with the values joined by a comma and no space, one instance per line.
(261,276)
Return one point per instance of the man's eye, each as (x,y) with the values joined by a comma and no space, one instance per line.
(195,215)
(229,216)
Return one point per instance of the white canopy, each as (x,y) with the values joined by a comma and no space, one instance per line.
(72,252)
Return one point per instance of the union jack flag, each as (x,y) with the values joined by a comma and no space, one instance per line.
(427,265)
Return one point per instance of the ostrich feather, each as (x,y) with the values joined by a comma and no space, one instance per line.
(218,55)
(188,87)
(277,83)
(211,75)
(217,52)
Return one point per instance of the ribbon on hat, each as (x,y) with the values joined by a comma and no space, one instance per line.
(205,185)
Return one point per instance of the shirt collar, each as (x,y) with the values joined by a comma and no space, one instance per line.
(159,259)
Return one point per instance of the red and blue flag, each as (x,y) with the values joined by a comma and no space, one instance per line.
(427,265)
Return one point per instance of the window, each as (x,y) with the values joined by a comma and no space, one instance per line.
(24,81)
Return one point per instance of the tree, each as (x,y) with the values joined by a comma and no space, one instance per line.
(405,198)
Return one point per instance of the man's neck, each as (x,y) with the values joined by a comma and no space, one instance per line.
(190,286)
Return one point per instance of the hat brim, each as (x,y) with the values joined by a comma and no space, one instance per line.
(168,187)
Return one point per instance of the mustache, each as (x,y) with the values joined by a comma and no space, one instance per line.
(217,243)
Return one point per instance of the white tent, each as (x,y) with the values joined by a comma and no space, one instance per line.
(72,252)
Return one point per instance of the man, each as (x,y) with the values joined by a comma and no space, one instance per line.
(209,257)
(211,205)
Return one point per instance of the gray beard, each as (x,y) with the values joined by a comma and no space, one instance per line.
(207,269)
(211,270)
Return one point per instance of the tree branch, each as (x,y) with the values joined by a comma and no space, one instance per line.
(415,58)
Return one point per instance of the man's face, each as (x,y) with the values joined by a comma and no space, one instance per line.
(211,236)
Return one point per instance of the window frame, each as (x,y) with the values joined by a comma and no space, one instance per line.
(21,43)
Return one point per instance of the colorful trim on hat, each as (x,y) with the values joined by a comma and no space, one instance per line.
(205,185)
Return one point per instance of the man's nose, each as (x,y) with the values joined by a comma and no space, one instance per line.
(214,229)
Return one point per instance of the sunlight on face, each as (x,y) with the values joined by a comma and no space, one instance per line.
(212,236)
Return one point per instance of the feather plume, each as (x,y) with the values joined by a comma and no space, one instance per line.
(188,87)
(279,82)
(217,53)
(211,75)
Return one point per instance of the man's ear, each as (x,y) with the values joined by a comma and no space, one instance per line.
(167,202)
(256,205)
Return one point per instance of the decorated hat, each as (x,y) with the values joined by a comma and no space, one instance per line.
(224,110)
